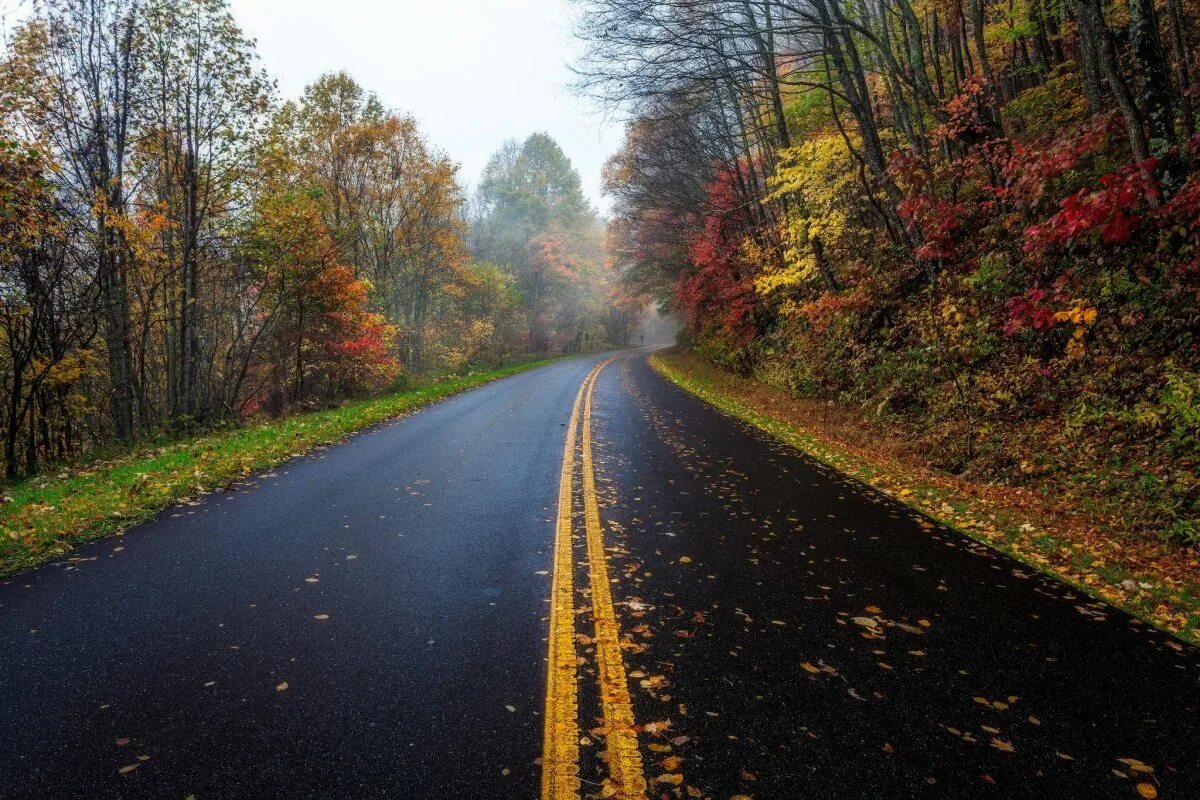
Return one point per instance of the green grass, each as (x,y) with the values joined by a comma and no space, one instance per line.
(1173,607)
(45,517)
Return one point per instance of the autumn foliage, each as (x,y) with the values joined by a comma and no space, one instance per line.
(719,289)
(979,224)
(179,249)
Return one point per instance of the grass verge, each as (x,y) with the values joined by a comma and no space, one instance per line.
(44,517)
(1153,581)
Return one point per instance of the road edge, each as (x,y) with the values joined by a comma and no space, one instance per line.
(126,497)
(1180,619)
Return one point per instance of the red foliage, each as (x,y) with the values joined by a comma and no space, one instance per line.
(1115,210)
(937,221)
(357,342)
(719,291)
(1030,310)
(1026,172)
(549,258)
(822,313)
(966,113)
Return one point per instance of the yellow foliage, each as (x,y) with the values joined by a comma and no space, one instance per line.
(814,179)
(1082,316)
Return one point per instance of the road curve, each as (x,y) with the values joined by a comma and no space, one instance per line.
(732,619)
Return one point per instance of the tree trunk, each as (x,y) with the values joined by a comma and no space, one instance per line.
(1089,63)
(1110,68)
(1155,81)
(1181,54)
(116,332)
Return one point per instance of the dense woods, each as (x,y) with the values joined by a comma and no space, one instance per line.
(178,249)
(977,219)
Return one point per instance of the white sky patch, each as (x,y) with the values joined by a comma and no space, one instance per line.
(473,72)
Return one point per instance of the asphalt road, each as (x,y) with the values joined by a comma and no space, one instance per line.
(371,620)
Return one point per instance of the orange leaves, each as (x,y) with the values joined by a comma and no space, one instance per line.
(548,254)
(312,308)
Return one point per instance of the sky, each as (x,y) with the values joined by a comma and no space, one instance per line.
(473,72)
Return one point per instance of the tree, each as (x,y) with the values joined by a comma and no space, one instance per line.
(84,93)
(531,217)
(934,211)
(526,191)
(205,100)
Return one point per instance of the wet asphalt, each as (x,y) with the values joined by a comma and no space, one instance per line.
(356,623)
(370,621)
(802,635)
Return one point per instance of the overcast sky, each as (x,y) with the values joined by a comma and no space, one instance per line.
(473,72)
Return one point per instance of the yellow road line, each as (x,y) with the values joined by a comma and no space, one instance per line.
(560,746)
(624,758)
(560,736)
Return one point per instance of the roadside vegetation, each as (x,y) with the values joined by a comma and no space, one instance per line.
(42,518)
(975,225)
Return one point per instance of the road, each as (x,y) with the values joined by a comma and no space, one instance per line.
(669,603)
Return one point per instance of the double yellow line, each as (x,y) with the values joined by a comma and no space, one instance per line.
(560,749)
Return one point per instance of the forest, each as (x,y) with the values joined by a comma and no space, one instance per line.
(976,221)
(181,249)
